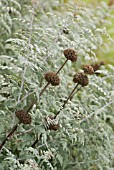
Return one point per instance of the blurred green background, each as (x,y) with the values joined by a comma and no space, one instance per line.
(107,56)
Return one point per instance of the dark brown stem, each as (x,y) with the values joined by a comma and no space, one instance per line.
(36,141)
(31,105)
(75,93)
(62,66)
(66,101)
(10,134)
(44,89)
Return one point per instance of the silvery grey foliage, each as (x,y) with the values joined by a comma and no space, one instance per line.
(32,43)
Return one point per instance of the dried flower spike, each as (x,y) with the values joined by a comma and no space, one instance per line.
(65,30)
(111,2)
(51,123)
(23,116)
(81,78)
(95,66)
(70,54)
(102,63)
(88,69)
(52,78)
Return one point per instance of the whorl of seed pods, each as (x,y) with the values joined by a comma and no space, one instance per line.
(88,69)
(81,78)
(51,123)
(70,54)
(102,63)
(52,78)
(96,66)
(65,30)
(23,116)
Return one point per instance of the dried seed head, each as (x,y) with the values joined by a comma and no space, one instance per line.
(52,78)
(95,66)
(23,116)
(111,2)
(81,78)
(51,123)
(88,69)
(102,63)
(66,30)
(70,54)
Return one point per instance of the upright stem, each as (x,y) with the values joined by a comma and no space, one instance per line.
(62,66)
(70,95)
(66,100)
(44,89)
(36,141)
(25,66)
(31,105)
(75,93)
(10,134)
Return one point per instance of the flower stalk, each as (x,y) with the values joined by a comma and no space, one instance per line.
(9,135)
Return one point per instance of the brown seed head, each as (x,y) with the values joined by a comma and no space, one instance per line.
(88,69)
(66,30)
(95,66)
(81,78)
(70,54)
(23,116)
(52,78)
(111,2)
(51,124)
(102,63)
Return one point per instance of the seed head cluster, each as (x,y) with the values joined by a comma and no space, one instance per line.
(96,66)
(51,124)
(88,69)
(66,30)
(52,78)
(23,116)
(81,78)
(70,54)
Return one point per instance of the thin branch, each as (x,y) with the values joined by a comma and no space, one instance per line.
(25,66)
(75,93)
(22,84)
(96,112)
(42,91)
(28,94)
(31,105)
(9,135)
(66,100)
(36,141)
(62,66)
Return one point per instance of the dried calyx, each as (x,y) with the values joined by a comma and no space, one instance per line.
(96,66)
(51,123)
(65,30)
(81,78)
(70,54)
(88,69)
(23,117)
(52,78)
